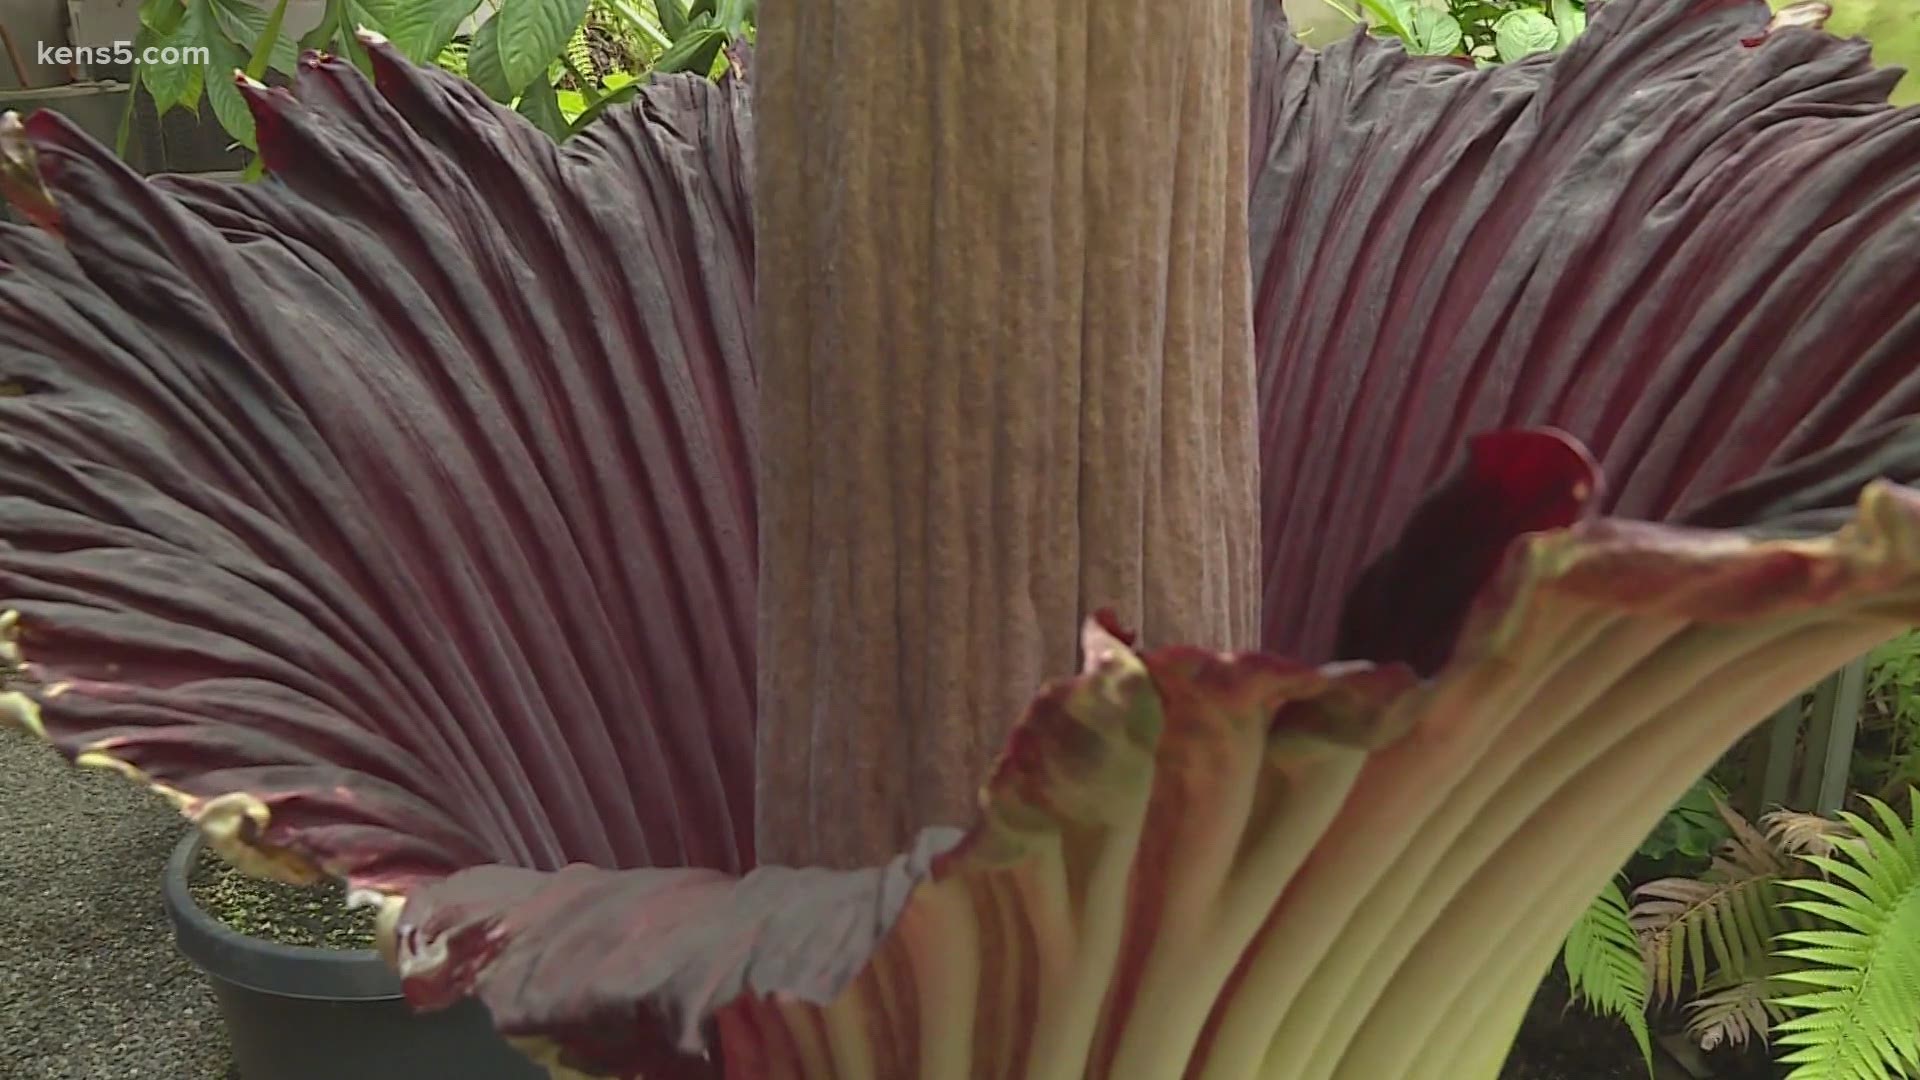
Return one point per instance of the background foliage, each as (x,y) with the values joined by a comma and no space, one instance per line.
(1487,31)
(1886,753)
(559,62)
(1798,939)
(1506,30)
(556,62)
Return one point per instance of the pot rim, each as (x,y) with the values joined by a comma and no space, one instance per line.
(268,967)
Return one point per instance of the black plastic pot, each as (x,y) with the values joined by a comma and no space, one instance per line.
(323,1014)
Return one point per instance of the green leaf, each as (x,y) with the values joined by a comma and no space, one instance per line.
(1392,16)
(228,106)
(178,83)
(644,23)
(1857,1014)
(162,16)
(734,16)
(613,97)
(1434,33)
(531,34)
(244,25)
(419,28)
(324,31)
(696,50)
(1522,33)
(483,63)
(542,106)
(673,18)
(270,35)
(1569,21)
(1477,13)
(124,133)
(353,16)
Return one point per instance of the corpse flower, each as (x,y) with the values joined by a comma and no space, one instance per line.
(618,560)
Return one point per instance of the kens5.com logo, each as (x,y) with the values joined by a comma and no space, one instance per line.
(123,53)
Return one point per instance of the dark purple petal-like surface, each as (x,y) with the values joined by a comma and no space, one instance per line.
(1190,864)
(396,517)
(1693,254)
(620,972)
(408,492)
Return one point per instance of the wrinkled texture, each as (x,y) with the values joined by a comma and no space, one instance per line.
(408,493)
(1408,605)
(1224,866)
(1004,331)
(318,493)
(1890,26)
(1694,256)
(604,941)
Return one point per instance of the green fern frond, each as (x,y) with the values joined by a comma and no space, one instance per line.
(579,51)
(453,58)
(1605,968)
(1857,999)
(1728,915)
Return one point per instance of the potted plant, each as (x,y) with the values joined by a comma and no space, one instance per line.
(316,1012)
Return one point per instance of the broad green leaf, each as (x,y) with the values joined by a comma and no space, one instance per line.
(483,62)
(162,16)
(353,16)
(1393,16)
(645,22)
(1477,12)
(734,16)
(1522,33)
(243,24)
(541,105)
(694,51)
(228,106)
(167,83)
(673,18)
(1569,21)
(1435,33)
(419,28)
(177,83)
(531,34)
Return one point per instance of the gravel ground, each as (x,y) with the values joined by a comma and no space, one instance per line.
(91,987)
